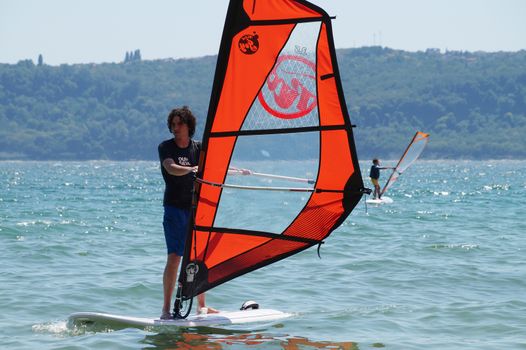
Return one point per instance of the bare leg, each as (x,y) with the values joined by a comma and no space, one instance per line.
(169,278)
(202,304)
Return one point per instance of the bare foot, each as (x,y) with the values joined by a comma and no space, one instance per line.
(207,310)
(211,310)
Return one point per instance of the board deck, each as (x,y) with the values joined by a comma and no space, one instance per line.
(221,318)
(383,200)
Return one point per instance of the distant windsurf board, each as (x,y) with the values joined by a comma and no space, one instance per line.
(383,200)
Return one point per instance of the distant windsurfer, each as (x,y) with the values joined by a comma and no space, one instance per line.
(179,157)
(374,174)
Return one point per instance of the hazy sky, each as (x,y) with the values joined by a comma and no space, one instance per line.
(82,31)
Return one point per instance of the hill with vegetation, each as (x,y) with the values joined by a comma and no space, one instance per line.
(472,103)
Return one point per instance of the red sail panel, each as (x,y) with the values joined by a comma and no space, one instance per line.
(325,208)
(246,73)
(328,99)
(220,247)
(217,155)
(336,166)
(270,252)
(322,212)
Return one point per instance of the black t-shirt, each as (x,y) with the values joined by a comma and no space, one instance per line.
(178,190)
(375,172)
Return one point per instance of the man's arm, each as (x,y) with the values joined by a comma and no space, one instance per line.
(175,169)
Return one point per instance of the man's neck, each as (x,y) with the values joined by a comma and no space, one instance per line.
(182,142)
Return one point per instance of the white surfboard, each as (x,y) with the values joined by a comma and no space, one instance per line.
(383,200)
(221,318)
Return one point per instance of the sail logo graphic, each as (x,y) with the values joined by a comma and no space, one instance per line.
(289,91)
(248,43)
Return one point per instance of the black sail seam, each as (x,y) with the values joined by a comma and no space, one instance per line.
(256,233)
(270,22)
(276,131)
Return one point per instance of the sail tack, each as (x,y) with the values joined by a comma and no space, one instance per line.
(276,80)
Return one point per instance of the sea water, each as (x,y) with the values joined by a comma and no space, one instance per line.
(443,267)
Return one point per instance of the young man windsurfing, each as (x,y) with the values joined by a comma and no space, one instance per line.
(179,157)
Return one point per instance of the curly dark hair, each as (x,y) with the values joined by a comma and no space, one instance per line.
(185,115)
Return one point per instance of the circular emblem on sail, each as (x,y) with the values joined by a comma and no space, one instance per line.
(290,89)
(248,43)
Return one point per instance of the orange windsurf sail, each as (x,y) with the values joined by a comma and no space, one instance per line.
(276,82)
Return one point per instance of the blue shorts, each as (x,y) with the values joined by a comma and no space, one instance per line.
(175,223)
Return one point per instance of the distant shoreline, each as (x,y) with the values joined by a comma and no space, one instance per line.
(471,103)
